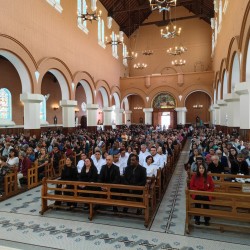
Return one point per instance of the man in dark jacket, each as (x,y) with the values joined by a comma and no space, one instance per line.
(135,175)
(109,173)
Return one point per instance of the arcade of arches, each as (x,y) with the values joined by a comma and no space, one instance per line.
(47,81)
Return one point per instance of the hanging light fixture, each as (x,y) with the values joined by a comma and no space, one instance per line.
(90,16)
(178,62)
(113,40)
(148,52)
(171,31)
(177,50)
(162,5)
(140,65)
(130,55)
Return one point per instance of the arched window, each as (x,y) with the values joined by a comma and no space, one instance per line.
(5,104)
(101,33)
(114,46)
(43,110)
(124,53)
(56,4)
(82,9)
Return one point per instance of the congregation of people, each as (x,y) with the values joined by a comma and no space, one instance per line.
(122,156)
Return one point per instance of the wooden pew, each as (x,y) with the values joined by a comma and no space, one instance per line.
(226,206)
(124,196)
(158,184)
(10,185)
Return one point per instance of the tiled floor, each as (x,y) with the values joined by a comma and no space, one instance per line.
(22,227)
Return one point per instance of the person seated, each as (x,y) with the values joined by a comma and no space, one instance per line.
(123,159)
(222,159)
(13,160)
(163,157)
(239,166)
(109,173)
(197,163)
(143,154)
(55,158)
(81,163)
(156,157)
(135,175)
(116,161)
(88,174)
(69,173)
(24,165)
(215,166)
(202,182)
(30,154)
(98,160)
(43,160)
(151,168)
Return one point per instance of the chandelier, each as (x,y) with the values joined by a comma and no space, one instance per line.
(171,31)
(148,52)
(140,65)
(162,5)
(179,62)
(130,55)
(91,16)
(113,41)
(177,50)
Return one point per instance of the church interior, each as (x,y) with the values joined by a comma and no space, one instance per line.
(105,64)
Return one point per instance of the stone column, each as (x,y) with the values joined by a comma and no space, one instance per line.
(217,114)
(68,113)
(148,115)
(128,117)
(233,110)
(223,112)
(118,116)
(31,113)
(212,115)
(107,117)
(92,116)
(181,116)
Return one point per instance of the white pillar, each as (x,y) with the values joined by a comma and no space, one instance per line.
(31,110)
(223,112)
(217,114)
(107,116)
(233,110)
(92,114)
(243,90)
(68,113)
(212,112)
(128,117)
(148,116)
(181,115)
(118,116)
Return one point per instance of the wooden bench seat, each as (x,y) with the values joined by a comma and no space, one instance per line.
(131,197)
(228,206)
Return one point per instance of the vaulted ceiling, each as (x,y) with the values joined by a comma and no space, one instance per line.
(130,14)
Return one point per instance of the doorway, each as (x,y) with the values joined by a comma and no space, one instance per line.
(165,119)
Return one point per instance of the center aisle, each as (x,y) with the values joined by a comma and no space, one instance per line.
(171,214)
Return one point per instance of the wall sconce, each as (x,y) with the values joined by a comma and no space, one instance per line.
(137,107)
(198,106)
(55,107)
(76,110)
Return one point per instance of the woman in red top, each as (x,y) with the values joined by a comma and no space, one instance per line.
(202,182)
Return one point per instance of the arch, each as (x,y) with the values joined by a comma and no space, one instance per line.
(125,102)
(246,68)
(215,94)
(235,72)
(102,84)
(88,91)
(22,60)
(87,78)
(135,91)
(62,73)
(244,42)
(218,97)
(232,50)
(198,90)
(216,80)
(21,70)
(224,84)
(116,93)
(117,100)
(105,97)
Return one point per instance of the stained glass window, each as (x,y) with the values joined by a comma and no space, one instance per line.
(43,110)
(5,104)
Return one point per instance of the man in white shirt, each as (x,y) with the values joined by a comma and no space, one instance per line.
(98,161)
(80,163)
(123,158)
(143,154)
(116,161)
(163,158)
(156,157)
